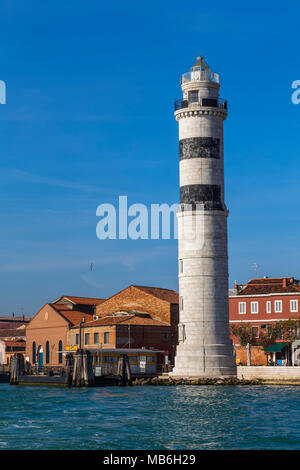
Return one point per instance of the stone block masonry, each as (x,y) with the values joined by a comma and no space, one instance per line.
(204,349)
(269,373)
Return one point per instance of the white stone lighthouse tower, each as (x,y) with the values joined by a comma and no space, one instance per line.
(204,349)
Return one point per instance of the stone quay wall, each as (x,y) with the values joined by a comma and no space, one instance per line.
(268,373)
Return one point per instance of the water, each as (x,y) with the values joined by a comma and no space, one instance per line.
(150,417)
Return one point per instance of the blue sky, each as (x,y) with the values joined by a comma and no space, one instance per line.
(89,117)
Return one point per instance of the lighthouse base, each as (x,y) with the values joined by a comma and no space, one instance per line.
(207,361)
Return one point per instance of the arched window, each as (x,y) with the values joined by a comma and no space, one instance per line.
(33,352)
(60,356)
(47,352)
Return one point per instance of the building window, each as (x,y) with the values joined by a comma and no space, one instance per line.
(106,338)
(165,337)
(268,307)
(193,96)
(96,338)
(294,305)
(33,352)
(255,332)
(181,303)
(77,339)
(181,265)
(268,329)
(87,338)
(254,307)
(47,352)
(60,350)
(242,307)
(278,306)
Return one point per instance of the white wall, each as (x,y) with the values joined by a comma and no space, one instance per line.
(2,352)
(268,372)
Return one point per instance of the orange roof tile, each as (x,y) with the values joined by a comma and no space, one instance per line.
(82,300)
(167,295)
(72,316)
(126,320)
(273,285)
(12,332)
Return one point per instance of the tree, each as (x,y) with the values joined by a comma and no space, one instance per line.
(243,333)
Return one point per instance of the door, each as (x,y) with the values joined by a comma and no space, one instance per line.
(40,356)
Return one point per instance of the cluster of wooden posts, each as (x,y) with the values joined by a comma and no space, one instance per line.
(78,370)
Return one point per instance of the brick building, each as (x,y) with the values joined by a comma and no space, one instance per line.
(13,335)
(136,317)
(13,321)
(13,347)
(46,334)
(2,353)
(133,318)
(261,303)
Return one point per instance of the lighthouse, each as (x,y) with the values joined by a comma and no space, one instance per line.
(204,349)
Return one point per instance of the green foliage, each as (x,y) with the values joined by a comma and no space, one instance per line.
(288,330)
(243,333)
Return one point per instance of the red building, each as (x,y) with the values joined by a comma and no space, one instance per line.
(263,302)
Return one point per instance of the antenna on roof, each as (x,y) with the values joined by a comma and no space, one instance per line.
(255,267)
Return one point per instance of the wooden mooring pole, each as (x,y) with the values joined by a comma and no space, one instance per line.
(69,367)
(124,372)
(16,368)
(83,374)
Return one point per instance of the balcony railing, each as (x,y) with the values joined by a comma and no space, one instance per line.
(206,102)
(200,75)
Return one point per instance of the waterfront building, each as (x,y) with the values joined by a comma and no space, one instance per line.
(13,321)
(46,333)
(13,338)
(13,334)
(205,348)
(142,361)
(259,304)
(2,353)
(14,347)
(138,316)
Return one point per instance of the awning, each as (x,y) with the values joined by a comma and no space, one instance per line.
(276,347)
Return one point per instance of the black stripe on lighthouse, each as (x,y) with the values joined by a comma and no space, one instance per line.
(199,147)
(207,194)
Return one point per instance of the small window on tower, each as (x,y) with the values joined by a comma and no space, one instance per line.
(193,96)
(181,265)
(181,303)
